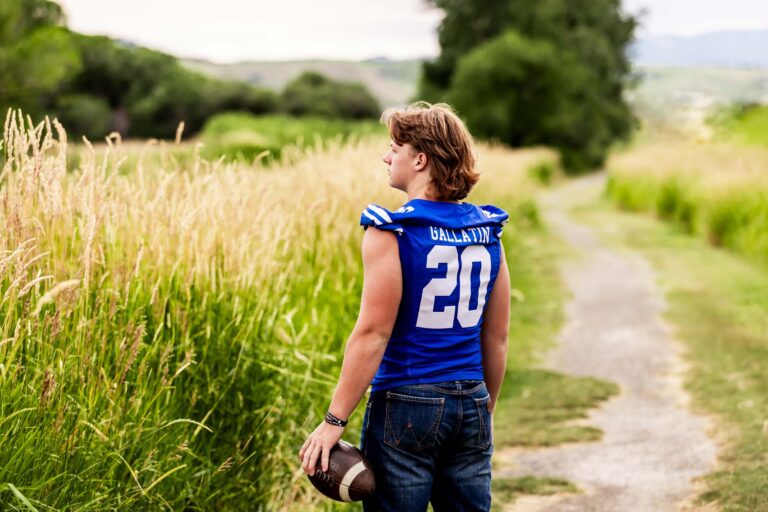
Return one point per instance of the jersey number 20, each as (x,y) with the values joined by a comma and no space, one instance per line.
(443,286)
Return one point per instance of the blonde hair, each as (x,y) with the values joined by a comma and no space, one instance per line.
(438,132)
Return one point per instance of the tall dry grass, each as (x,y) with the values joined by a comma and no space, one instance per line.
(171,332)
(717,191)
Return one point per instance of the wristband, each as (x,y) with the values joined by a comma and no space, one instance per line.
(333,420)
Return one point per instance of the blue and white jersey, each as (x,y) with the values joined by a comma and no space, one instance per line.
(450,256)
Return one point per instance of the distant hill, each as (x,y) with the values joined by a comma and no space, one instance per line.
(721,85)
(683,98)
(683,80)
(732,49)
(392,82)
(679,76)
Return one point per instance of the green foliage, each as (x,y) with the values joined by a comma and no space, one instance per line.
(550,73)
(34,67)
(36,56)
(465,25)
(542,172)
(245,98)
(507,489)
(150,93)
(244,137)
(174,356)
(674,203)
(45,69)
(638,197)
(19,18)
(97,85)
(115,72)
(537,407)
(313,94)
(744,123)
(84,115)
(172,99)
(232,334)
(497,101)
(736,218)
(7,487)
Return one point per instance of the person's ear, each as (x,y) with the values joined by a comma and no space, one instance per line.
(421,161)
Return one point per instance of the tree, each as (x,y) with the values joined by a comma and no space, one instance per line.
(84,115)
(149,93)
(19,18)
(500,101)
(116,72)
(240,96)
(36,55)
(315,94)
(546,72)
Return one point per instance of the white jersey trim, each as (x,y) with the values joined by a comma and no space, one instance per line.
(374,219)
(382,213)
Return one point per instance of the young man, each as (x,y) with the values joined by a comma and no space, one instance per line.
(431,334)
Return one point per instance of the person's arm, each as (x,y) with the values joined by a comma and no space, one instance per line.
(495,332)
(382,291)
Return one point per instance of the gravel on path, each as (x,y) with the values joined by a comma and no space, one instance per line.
(653,448)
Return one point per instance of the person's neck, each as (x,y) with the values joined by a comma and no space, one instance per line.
(421,190)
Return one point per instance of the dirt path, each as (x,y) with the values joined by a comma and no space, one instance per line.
(653,447)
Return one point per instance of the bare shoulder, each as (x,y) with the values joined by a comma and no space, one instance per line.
(377,242)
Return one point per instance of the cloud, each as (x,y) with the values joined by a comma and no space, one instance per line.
(231,30)
(693,17)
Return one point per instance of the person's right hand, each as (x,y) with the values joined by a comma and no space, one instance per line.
(318,446)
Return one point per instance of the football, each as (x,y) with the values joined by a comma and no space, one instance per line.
(349,476)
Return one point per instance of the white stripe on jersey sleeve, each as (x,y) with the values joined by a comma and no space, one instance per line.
(383,214)
(374,219)
(491,215)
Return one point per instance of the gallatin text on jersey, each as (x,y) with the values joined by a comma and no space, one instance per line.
(481,235)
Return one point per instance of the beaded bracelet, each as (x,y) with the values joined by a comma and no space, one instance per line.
(333,420)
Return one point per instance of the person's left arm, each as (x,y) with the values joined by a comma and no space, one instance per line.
(382,291)
(494,334)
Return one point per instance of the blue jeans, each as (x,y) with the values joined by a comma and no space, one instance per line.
(429,443)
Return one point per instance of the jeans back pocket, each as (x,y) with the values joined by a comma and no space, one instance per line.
(412,421)
(484,416)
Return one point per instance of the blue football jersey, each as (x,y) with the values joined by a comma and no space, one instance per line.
(450,256)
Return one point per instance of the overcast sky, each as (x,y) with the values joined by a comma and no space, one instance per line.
(234,30)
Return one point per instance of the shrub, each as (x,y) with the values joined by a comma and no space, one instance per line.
(719,192)
(313,94)
(85,115)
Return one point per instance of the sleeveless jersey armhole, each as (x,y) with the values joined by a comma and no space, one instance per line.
(380,218)
(497,215)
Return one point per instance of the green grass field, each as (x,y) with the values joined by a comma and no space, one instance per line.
(247,137)
(171,329)
(229,137)
(717,192)
(746,125)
